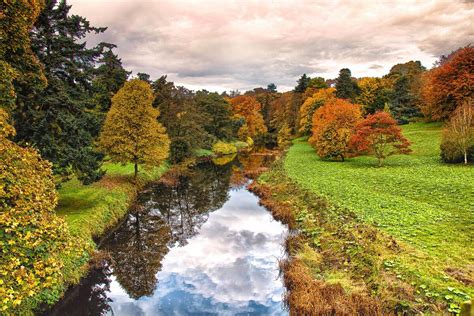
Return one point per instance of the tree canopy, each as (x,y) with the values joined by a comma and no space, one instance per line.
(131,132)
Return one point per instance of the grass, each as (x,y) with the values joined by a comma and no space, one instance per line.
(427,206)
(90,209)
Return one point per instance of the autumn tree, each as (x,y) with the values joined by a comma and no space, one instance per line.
(32,238)
(333,127)
(131,132)
(448,85)
(19,66)
(346,87)
(375,93)
(379,135)
(249,109)
(458,136)
(310,105)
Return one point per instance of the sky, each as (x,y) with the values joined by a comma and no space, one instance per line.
(226,45)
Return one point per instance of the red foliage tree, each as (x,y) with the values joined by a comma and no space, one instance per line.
(447,86)
(333,126)
(379,135)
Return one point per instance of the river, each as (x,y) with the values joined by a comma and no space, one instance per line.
(197,243)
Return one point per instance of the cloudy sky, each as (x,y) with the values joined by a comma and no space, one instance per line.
(224,45)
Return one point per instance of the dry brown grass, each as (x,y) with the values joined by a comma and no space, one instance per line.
(308,296)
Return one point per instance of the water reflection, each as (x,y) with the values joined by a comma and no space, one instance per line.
(197,246)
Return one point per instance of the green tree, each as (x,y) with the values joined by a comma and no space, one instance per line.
(302,84)
(109,77)
(405,99)
(131,132)
(346,87)
(217,113)
(60,120)
(272,87)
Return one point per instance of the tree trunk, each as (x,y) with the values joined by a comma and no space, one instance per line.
(380,162)
(136,172)
(465,157)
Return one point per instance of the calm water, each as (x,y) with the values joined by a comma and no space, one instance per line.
(198,245)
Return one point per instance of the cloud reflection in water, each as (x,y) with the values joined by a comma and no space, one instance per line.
(229,268)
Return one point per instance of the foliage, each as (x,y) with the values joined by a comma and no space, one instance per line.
(302,84)
(17,60)
(33,240)
(217,114)
(109,77)
(58,119)
(375,93)
(248,108)
(421,202)
(318,83)
(333,126)
(458,137)
(131,132)
(310,105)
(284,136)
(379,135)
(449,84)
(346,87)
(272,87)
(222,148)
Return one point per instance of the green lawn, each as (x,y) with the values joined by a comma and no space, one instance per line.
(90,209)
(425,204)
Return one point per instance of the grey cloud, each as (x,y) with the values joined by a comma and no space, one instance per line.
(231,45)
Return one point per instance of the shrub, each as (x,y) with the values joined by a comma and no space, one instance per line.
(458,137)
(221,148)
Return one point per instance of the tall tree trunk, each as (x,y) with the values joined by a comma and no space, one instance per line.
(465,157)
(136,172)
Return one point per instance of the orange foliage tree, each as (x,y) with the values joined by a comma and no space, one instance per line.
(333,127)
(248,108)
(448,85)
(379,135)
(310,105)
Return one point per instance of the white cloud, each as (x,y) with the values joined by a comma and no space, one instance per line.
(226,45)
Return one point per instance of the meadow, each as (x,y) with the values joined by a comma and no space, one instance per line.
(427,206)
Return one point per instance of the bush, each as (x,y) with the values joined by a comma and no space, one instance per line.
(450,152)
(221,148)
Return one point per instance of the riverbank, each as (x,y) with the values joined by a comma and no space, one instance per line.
(90,210)
(394,238)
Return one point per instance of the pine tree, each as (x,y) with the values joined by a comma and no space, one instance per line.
(131,132)
(346,87)
(302,84)
(109,77)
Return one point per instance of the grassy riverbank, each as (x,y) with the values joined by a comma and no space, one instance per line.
(400,234)
(90,210)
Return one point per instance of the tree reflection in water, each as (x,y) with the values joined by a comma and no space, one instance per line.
(166,216)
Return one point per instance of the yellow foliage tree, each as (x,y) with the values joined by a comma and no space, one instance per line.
(248,108)
(131,132)
(33,240)
(311,104)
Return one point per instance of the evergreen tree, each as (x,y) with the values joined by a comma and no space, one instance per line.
(346,87)
(109,77)
(131,132)
(272,87)
(302,84)
(59,120)
(144,77)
